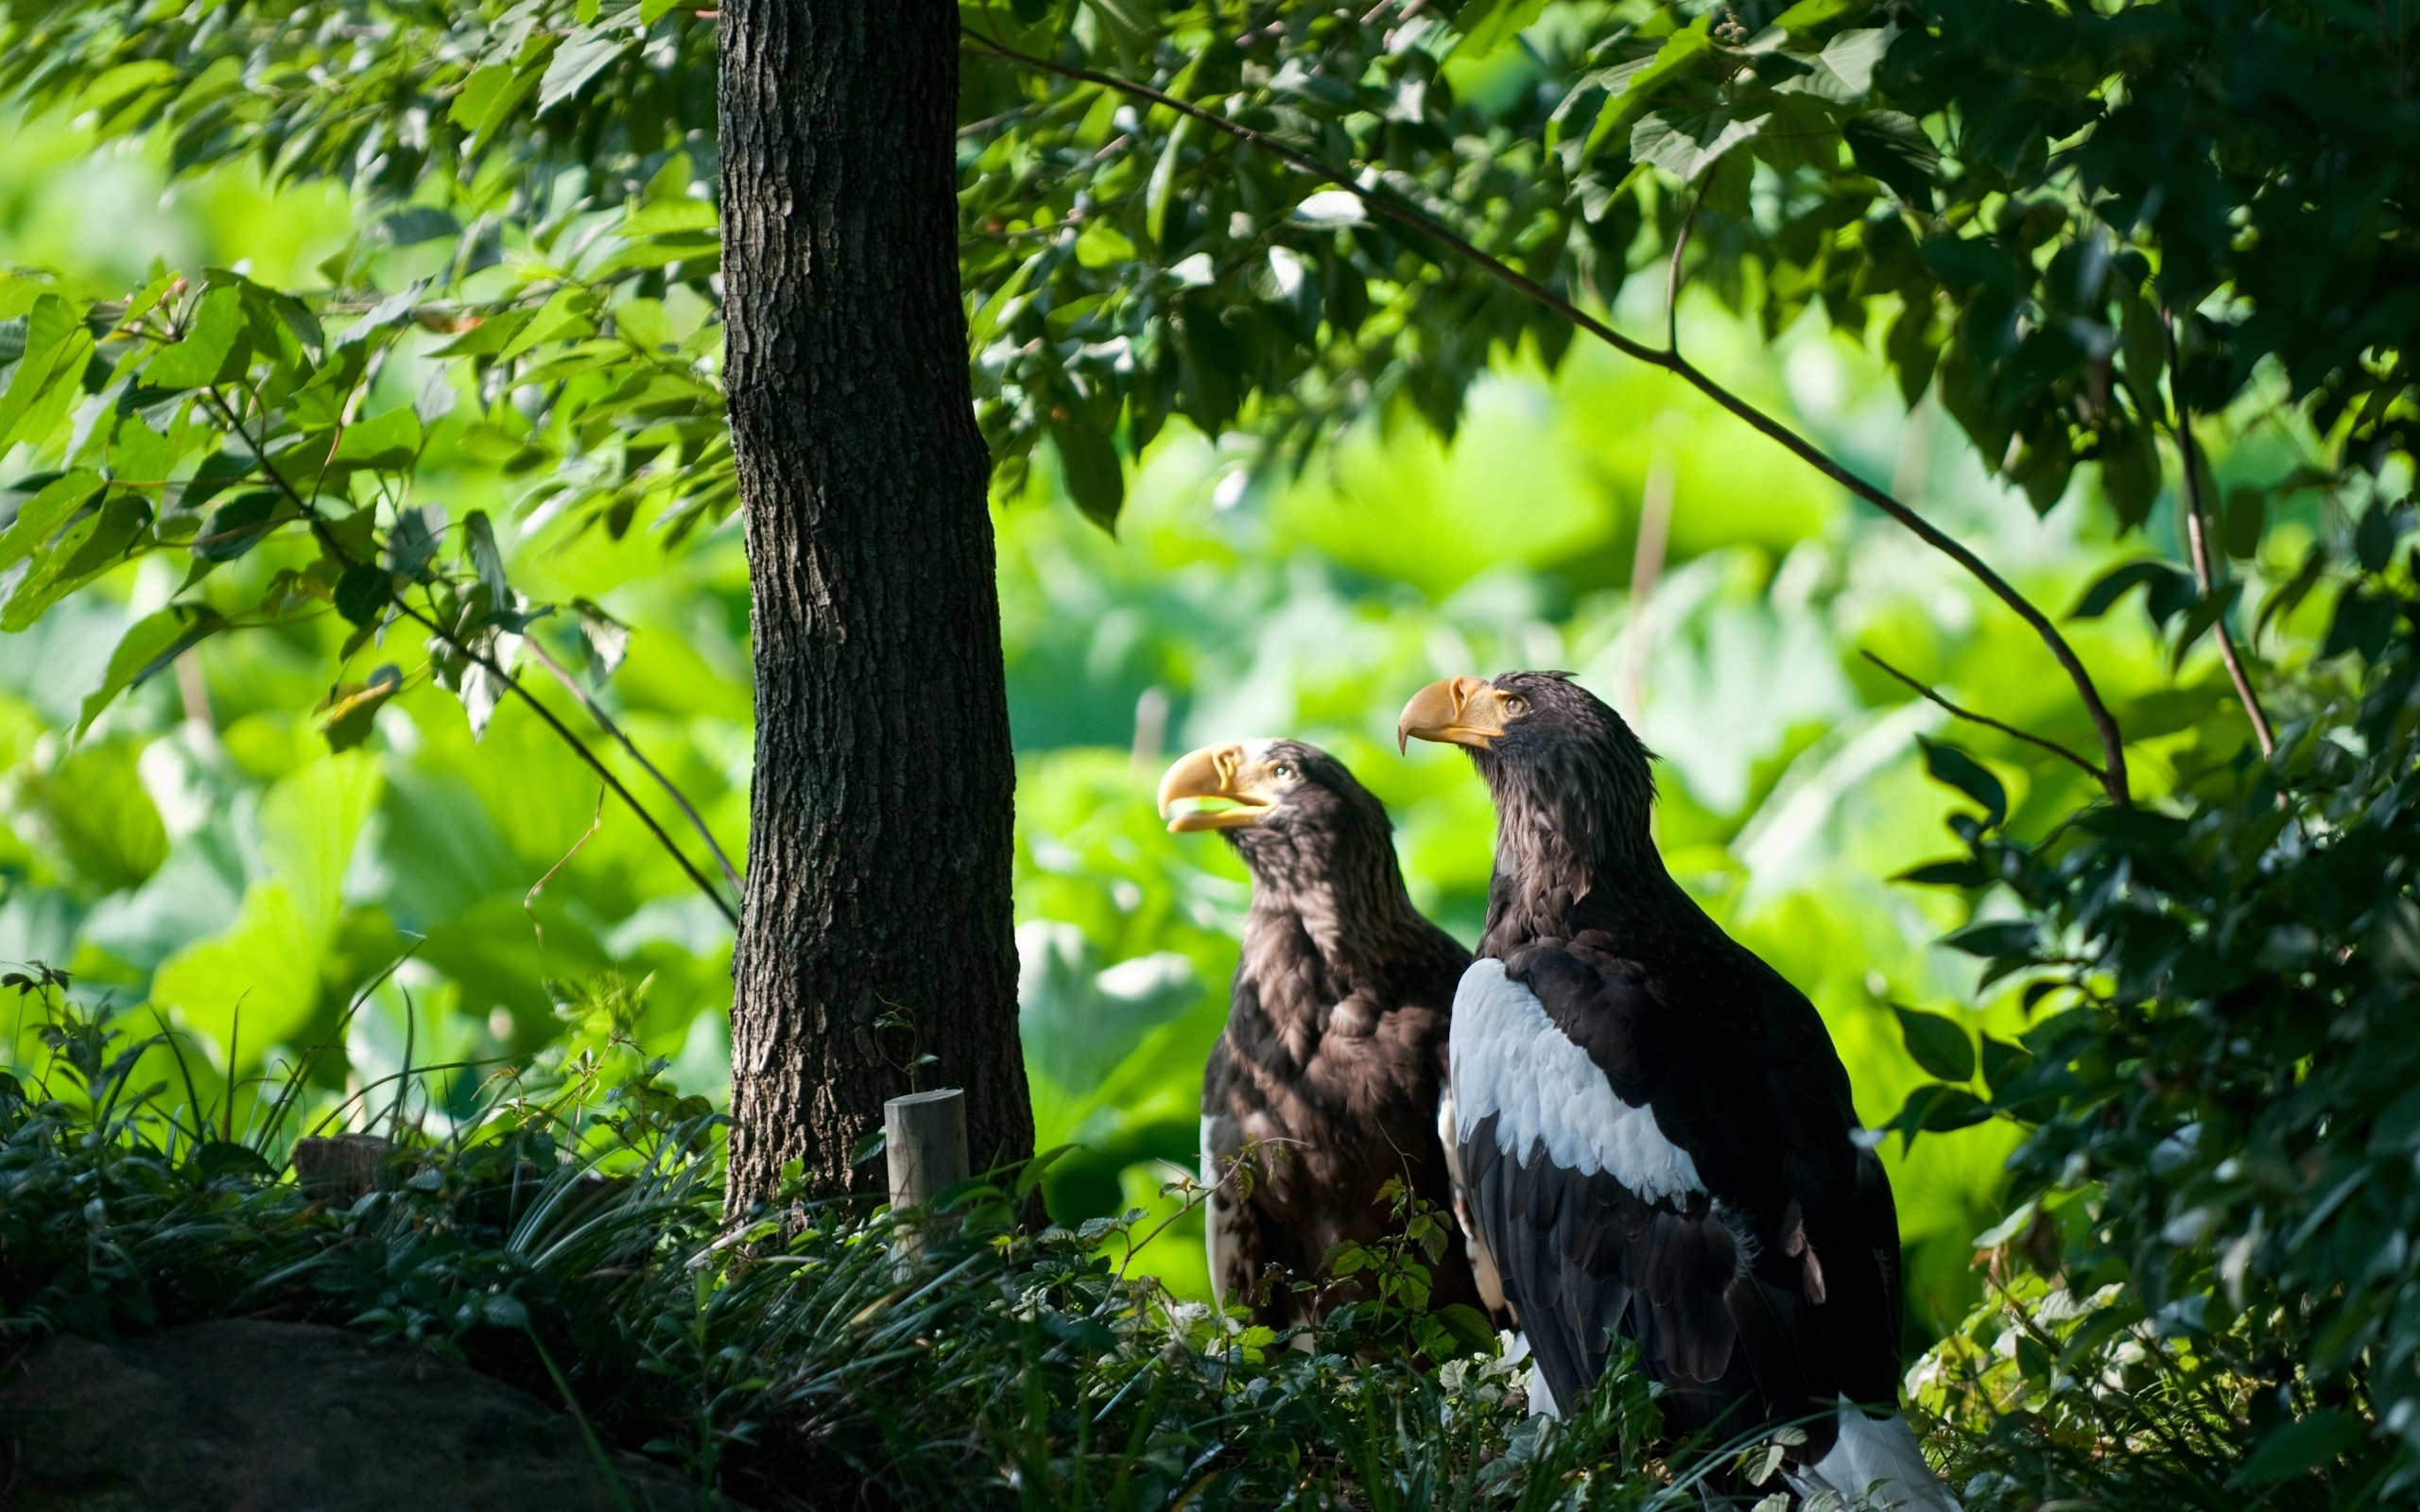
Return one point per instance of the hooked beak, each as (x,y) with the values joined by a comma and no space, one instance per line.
(1217,772)
(1458,710)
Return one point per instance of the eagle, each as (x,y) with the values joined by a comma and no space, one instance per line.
(1331,1069)
(1654,1128)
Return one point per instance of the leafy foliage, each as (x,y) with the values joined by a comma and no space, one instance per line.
(2217,1092)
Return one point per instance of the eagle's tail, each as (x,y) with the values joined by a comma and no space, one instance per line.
(1876,1463)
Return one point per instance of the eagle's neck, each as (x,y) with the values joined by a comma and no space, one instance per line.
(1341,907)
(1573,850)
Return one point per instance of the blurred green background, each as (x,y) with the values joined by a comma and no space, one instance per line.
(201,853)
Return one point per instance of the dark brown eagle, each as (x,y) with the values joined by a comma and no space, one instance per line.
(1655,1128)
(1333,1061)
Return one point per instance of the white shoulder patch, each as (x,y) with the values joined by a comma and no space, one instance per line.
(1509,1059)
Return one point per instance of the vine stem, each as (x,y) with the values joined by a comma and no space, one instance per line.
(2113,775)
(1933,695)
(335,548)
(2197,538)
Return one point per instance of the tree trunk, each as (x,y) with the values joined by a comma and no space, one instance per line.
(877,925)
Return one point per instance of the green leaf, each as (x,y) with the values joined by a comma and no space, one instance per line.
(1103,245)
(99,814)
(352,715)
(665,217)
(2240,531)
(387,443)
(56,347)
(1808,14)
(486,558)
(2197,620)
(2167,581)
(45,513)
(90,546)
(1947,764)
(214,349)
(1995,939)
(270,960)
(1096,478)
(127,79)
(1893,148)
(1933,1108)
(363,593)
(2130,478)
(1938,1044)
(241,524)
(1644,84)
(2374,538)
(489,95)
(2003,1062)
(1686,143)
(578,59)
(1487,24)
(1468,1325)
(1155,196)
(2301,1446)
(148,645)
(1961,873)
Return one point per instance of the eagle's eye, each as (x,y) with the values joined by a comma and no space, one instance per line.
(1516,706)
(1281,772)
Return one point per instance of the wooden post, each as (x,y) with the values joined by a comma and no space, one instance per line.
(342,1168)
(924,1136)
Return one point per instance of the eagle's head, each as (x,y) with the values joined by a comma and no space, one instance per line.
(1291,810)
(1553,756)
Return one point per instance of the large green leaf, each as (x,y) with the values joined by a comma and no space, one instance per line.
(258,983)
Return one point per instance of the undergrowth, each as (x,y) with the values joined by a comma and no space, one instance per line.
(569,1238)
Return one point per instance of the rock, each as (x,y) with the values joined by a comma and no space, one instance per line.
(250,1417)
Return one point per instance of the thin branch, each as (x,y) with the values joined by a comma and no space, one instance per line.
(2104,723)
(1986,720)
(2197,536)
(579,745)
(336,549)
(571,685)
(1672,274)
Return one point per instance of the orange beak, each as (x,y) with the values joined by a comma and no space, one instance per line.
(1458,710)
(1217,772)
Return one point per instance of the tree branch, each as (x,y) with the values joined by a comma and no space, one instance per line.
(2197,537)
(1986,720)
(2113,776)
(329,543)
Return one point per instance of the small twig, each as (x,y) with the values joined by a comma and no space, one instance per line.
(2005,728)
(2104,723)
(1672,274)
(606,723)
(2197,536)
(530,899)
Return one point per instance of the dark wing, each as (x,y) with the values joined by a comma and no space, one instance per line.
(1739,1072)
(1598,1226)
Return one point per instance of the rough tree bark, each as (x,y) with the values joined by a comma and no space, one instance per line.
(878,857)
